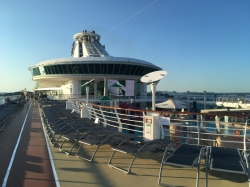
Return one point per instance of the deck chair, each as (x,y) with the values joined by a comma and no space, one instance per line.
(226,160)
(80,136)
(100,138)
(129,147)
(185,155)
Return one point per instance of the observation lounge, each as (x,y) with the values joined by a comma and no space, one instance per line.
(90,60)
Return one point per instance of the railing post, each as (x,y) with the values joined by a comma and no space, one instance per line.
(103,117)
(198,126)
(245,135)
(96,116)
(119,121)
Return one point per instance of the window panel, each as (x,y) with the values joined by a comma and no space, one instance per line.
(46,69)
(133,70)
(74,68)
(138,70)
(36,71)
(51,69)
(116,68)
(123,69)
(85,68)
(60,70)
(80,69)
(110,68)
(127,72)
(56,69)
(65,70)
(148,71)
(70,70)
(97,69)
(104,68)
(143,70)
(91,68)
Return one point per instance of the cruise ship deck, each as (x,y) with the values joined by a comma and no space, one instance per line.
(25,161)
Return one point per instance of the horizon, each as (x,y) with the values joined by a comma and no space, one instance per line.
(203,45)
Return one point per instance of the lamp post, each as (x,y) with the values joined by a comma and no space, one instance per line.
(174,93)
(188,99)
(87,89)
(153,78)
(205,98)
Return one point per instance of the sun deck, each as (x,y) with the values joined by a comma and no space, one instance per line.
(31,166)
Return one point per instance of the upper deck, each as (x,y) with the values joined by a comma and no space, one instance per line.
(30,164)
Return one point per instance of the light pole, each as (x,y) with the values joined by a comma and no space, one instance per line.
(174,93)
(153,78)
(87,89)
(205,98)
(188,99)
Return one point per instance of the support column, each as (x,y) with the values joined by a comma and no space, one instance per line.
(105,87)
(75,88)
(153,88)
(87,93)
(95,90)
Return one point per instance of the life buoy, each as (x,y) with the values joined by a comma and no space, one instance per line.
(236,132)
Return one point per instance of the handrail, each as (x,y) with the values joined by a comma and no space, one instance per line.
(186,127)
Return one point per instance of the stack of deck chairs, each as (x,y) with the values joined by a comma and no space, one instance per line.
(62,125)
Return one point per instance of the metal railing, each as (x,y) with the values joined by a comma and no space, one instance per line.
(97,97)
(194,128)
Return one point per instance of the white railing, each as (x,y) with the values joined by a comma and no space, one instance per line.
(193,128)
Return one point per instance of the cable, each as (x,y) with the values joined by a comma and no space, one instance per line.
(129,18)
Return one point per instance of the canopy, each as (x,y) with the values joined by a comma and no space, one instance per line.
(104,98)
(171,104)
(115,85)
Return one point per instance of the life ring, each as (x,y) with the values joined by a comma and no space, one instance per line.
(237,132)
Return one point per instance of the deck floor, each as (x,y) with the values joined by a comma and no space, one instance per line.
(31,165)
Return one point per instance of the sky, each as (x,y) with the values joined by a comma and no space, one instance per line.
(204,45)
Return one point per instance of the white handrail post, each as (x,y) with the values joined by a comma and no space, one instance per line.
(119,121)
(245,136)
(95,113)
(198,126)
(103,117)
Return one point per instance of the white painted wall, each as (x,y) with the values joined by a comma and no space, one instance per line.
(72,87)
(76,50)
(84,50)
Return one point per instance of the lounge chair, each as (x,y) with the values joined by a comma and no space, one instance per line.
(227,160)
(80,136)
(133,148)
(100,138)
(185,155)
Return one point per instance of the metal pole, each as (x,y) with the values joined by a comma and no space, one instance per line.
(87,93)
(119,97)
(198,125)
(153,88)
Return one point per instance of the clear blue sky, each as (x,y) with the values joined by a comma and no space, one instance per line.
(202,44)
